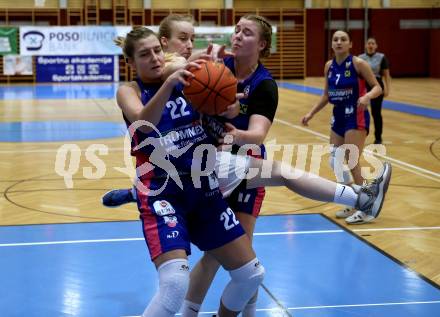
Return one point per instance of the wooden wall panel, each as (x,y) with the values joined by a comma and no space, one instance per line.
(187,4)
(375,4)
(28,4)
(75,4)
(288,4)
(323,4)
(414,3)
(135,4)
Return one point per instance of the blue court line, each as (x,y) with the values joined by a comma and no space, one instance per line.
(55,131)
(387,104)
(59,91)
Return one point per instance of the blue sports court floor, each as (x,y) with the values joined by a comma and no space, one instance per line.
(314,269)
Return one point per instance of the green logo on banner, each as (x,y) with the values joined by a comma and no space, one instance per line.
(8,40)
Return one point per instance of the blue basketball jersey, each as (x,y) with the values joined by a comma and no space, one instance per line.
(179,128)
(344,84)
(214,125)
(344,89)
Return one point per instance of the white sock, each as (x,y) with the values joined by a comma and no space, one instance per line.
(345,195)
(190,309)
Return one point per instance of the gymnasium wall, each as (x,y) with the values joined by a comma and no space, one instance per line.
(413,48)
(434,51)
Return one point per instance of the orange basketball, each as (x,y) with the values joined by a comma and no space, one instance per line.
(212,89)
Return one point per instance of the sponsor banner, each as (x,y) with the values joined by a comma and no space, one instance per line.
(17,65)
(70,40)
(8,40)
(92,40)
(86,68)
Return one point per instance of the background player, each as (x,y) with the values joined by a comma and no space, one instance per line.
(345,89)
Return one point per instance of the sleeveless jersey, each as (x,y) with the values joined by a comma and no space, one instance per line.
(179,128)
(344,85)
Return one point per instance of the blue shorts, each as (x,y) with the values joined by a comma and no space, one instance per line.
(176,217)
(349,118)
(248,201)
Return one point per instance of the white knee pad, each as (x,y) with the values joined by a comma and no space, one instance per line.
(243,285)
(173,283)
(342,172)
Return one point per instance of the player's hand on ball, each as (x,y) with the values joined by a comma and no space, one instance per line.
(180,76)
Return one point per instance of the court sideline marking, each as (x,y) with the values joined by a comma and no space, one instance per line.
(401,164)
(325,307)
(20,244)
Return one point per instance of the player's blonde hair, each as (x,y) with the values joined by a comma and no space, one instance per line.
(127,43)
(166,27)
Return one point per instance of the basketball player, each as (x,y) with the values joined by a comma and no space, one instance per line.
(175,217)
(307,185)
(345,89)
(250,41)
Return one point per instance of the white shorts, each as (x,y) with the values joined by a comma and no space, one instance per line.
(231,169)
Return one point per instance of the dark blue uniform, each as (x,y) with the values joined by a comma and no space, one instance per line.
(173,217)
(344,89)
(260,82)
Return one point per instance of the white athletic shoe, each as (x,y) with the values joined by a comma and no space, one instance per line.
(371,196)
(344,213)
(358,218)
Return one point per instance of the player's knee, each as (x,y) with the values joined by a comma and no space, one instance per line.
(252,277)
(173,283)
(244,283)
(209,263)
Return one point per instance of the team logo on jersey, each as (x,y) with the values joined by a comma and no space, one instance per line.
(243,108)
(349,110)
(173,234)
(347,73)
(171,221)
(347,64)
(329,74)
(246,90)
(163,208)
